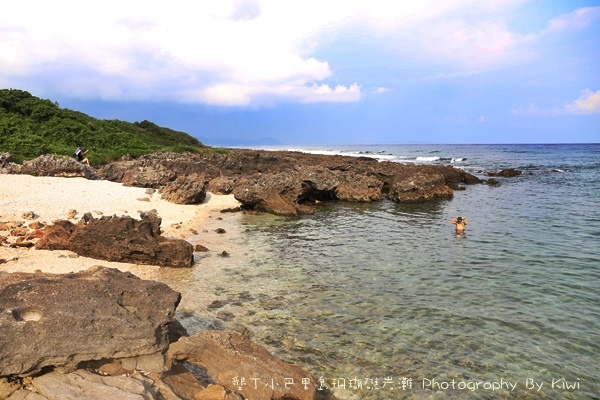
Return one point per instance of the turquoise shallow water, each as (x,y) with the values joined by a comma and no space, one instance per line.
(383,301)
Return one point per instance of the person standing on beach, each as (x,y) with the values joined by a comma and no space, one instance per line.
(79,153)
(460,223)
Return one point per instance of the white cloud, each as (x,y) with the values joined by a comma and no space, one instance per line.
(477,46)
(476,40)
(587,103)
(577,19)
(322,93)
(243,95)
(381,90)
(233,52)
(532,109)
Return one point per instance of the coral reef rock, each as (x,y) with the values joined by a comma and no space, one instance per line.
(49,165)
(51,321)
(290,183)
(121,239)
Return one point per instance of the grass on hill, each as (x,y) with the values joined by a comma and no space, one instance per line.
(30,127)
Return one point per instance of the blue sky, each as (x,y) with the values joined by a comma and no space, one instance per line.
(317,72)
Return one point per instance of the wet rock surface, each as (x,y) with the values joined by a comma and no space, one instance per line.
(505,173)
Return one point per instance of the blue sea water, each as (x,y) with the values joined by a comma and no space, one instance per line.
(383,301)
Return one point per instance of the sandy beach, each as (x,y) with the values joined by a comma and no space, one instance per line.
(53,198)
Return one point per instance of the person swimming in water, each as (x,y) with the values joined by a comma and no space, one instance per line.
(460,223)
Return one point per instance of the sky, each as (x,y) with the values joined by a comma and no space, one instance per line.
(244,72)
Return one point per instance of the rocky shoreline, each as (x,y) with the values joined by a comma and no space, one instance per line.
(278,182)
(102,331)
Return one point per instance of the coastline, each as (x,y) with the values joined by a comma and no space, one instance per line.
(52,198)
(295,297)
(134,370)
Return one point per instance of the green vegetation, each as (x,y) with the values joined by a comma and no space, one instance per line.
(30,126)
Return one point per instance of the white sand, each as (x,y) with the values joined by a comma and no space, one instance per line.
(52,198)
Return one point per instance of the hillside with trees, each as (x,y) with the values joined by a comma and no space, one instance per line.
(30,126)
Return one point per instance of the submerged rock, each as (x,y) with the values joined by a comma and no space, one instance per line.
(103,333)
(506,173)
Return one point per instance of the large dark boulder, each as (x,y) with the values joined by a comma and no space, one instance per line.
(121,239)
(506,173)
(275,193)
(51,321)
(266,199)
(115,171)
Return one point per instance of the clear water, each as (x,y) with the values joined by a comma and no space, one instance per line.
(387,291)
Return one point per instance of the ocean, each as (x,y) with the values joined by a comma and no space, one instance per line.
(383,300)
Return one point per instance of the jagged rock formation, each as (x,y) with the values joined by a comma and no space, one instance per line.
(49,165)
(279,182)
(121,239)
(288,183)
(5,161)
(186,189)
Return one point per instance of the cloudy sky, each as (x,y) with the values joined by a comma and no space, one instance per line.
(317,71)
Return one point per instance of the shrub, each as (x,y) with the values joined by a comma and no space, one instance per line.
(30,126)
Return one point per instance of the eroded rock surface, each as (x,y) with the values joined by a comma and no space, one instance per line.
(121,239)
(278,182)
(103,333)
(187,189)
(289,183)
(226,355)
(420,187)
(49,165)
(51,321)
